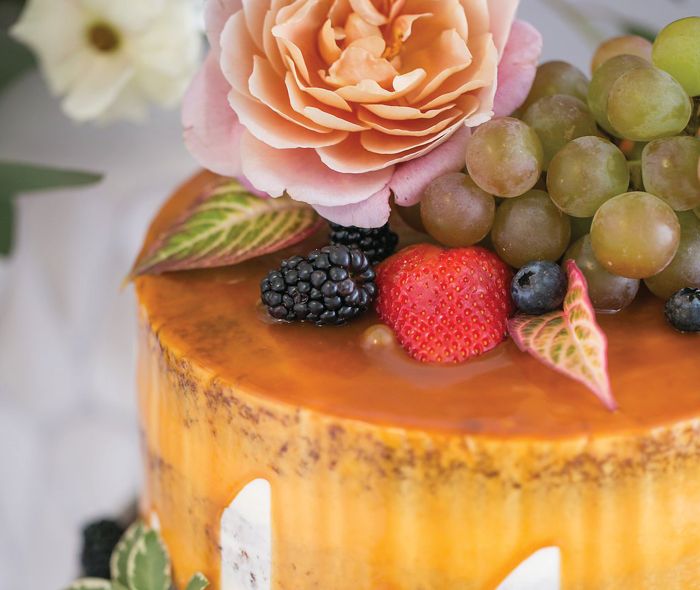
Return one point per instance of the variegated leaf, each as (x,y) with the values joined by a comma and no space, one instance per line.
(148,567)
(227,226)
(197,582)
(90,584)
(120,556)
(569,341)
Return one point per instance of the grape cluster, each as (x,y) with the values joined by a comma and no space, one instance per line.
(603,171)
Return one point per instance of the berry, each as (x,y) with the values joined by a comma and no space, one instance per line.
(377,243)
(683,310)
(329,287)
(539,287)
(99,540)
(445,305)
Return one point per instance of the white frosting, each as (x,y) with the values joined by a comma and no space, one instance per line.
(246,539)
(246,548)
(540,571)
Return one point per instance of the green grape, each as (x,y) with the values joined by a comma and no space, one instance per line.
(635,235)
(670,171)
(646,104)
(557,120)
(530,228)
(603,79)
(456,212)
(677,51)
(580,226)
(684,271)
(411,217)
(609,293)
(505,157)
(557,77)
(585,173)
(624,45)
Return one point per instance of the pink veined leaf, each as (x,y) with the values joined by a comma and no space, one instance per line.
(226,226)
(569,341)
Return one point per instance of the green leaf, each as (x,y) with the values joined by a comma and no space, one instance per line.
(569,341)
(17,177)
(226,226)
(7,220)
(120,556)
(118,586)
(16,59)
(197,582)
(148,567)
(90,584)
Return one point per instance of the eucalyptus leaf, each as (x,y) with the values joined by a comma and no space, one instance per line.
(148,567)
(16,177)
(226,226)
(7,220)
(91,584)
(197,582)
(120,556)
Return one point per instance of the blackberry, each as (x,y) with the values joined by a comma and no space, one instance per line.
(539,287)
(329,287)
(377,243)
(683,310)
(99,540)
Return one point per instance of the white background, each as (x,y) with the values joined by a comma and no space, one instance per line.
(68,439)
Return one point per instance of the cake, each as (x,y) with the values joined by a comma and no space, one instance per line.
(386,474)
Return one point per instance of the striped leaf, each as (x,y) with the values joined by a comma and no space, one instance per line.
(120,556)
(569,341)
(227,226)
(197,582)
(90,584)
(148,567)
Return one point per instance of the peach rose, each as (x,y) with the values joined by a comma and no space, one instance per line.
(341,103)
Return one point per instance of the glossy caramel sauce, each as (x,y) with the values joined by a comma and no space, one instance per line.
(391,475)
(213,319)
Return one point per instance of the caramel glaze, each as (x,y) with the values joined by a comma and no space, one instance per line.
(390,475)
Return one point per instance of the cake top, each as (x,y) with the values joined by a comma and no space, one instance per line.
(212,319)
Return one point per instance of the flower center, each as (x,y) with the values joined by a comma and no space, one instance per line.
(103,37)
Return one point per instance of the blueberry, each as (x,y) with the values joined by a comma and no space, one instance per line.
(683,310)
(539,287)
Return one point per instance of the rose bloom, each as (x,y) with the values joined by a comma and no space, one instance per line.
(340,103)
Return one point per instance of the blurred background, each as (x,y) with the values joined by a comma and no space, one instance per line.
(69,447)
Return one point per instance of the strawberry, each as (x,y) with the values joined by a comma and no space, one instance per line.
(445,306)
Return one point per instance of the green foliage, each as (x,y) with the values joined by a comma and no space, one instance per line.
(140,561)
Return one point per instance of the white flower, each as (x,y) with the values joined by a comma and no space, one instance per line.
(109,58)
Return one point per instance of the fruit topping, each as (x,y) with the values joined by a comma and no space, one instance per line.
(99,540)
(635,235)
(330,286)
(677,51)
(557,77)
(456,212)
(505,157)
(585,174)
(529,228)
(670,171)
(609,293)
(683,310)
(539,287)
(377,243)
(445,306)
(569,341)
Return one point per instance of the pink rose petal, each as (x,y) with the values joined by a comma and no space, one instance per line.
(211,129)
(502,15)
(304,177)
(411,178)
(518,67)
(216,13)
(373,212)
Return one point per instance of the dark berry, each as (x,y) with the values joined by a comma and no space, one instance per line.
(99,540)
(683,310)
(332,285)
(377,243)
(539,287)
